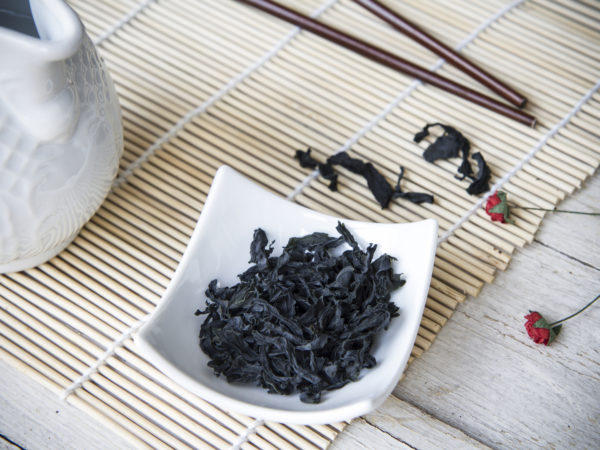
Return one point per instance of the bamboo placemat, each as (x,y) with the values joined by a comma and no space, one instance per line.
(213,82)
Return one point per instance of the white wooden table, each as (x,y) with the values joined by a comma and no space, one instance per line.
(482,383)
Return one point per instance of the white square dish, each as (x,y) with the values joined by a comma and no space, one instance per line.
(219,248)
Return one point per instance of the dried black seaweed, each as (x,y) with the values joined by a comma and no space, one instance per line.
(326,170)
(378,185)
(306,160)
(480,182)
(415,197)
(449,145)
(302,322)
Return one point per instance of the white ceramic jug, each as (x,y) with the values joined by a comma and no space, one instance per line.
(61,136)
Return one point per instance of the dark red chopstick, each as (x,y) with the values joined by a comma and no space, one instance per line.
(384,57)
(414,32)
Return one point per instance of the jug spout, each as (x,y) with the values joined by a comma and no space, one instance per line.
(35,86)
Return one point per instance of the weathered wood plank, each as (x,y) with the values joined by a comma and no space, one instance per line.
(35,418)
(360,434)
(563,231)
(410,426)
(484,375)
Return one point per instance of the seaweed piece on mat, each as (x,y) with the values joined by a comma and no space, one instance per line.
(306,160)
(326,170)
(378,185)
(480,182)
(414,197)
(449,145)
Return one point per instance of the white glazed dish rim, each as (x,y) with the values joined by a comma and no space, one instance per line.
(219,248)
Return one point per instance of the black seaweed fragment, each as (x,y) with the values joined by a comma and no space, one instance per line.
(445,146)
(303,322)
(449,145)
(326,170)
(328,173)
(415,197)
(480,182)
(378,185)
(305,159)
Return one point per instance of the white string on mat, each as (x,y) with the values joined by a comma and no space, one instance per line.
(121,23)
(214,98)
(537,147)
(405,93)
(85,376)
(247,433)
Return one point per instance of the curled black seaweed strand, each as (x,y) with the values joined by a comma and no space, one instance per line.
(414,197)
(452,144)
(378,185)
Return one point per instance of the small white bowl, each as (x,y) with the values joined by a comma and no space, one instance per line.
(219,248)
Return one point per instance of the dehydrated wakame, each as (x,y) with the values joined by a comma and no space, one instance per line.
(415,197)
(481,182)
(378,185)
(326,170)
(449,145)
(380,188)
(302,322)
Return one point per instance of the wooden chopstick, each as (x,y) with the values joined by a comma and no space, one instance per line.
(388,59)
(417,34)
